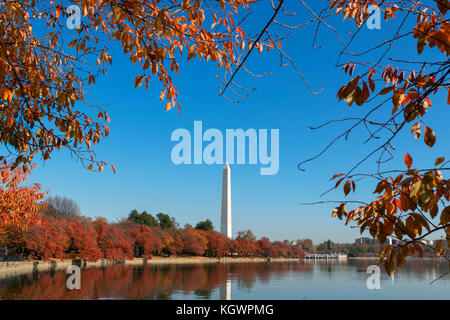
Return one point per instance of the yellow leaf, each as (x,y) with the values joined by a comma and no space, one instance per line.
(162,94)
(415,188)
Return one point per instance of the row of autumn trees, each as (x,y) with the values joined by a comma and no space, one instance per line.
(55,234)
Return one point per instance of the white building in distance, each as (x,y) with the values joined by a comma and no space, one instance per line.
(225,221)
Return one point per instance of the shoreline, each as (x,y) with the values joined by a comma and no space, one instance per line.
(10,269)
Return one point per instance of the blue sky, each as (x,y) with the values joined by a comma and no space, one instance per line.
(139,145)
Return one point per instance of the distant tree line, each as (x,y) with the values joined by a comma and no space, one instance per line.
(351,249)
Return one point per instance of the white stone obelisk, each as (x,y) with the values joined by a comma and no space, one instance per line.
(225,223)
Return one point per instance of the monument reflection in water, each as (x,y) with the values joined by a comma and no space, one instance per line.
(225,290)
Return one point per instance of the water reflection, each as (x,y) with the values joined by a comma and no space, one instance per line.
(247,281)
(225,290)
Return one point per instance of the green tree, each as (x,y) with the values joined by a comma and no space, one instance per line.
(245,235)
(353,252)
(205,225)
(374,249)
(143,218)
(165,221)
(328,246)
(149,220)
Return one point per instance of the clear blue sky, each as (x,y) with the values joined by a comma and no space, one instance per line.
(139,145)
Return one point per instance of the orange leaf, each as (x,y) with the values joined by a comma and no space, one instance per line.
(138,81)
(408,160)
(439,161)
(347,187)
(430,137)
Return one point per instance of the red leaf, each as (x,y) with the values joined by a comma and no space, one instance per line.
(408,160)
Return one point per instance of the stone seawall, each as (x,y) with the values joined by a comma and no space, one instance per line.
(14,268)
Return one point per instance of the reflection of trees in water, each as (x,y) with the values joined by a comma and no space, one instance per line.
(246,275)
(149,282)
(162,282)
(428,271)
(420,270)
(15,285)
(203,294)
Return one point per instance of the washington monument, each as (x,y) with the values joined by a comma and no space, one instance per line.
(225,225)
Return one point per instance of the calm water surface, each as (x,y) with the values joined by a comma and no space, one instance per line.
(309,280)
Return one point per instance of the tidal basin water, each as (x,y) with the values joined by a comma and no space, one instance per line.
(302,280)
